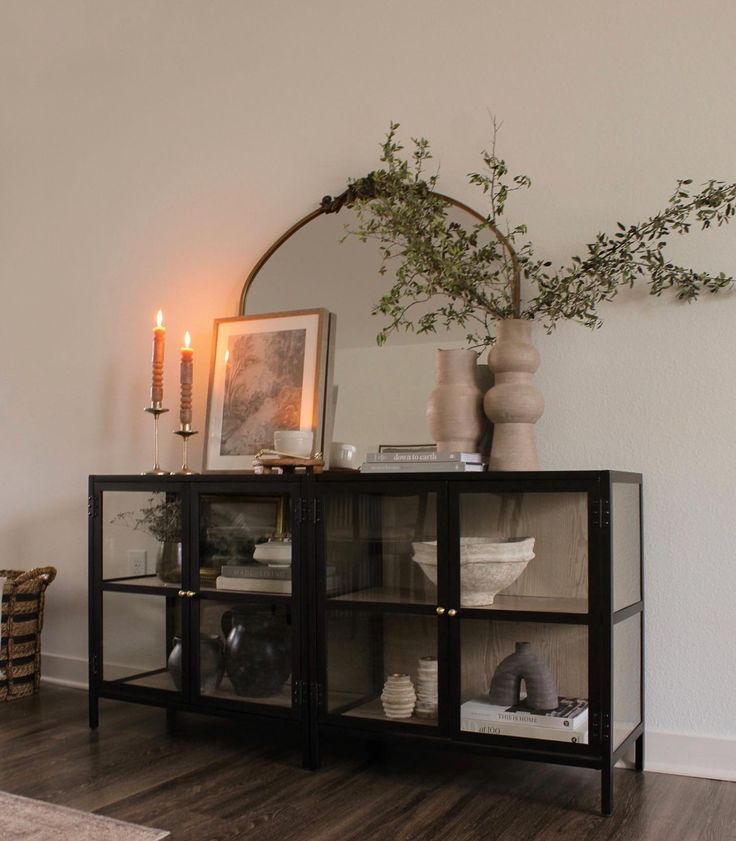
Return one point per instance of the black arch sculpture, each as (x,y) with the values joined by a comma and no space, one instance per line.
(523,664)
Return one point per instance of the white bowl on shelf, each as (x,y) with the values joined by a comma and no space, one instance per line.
(487,565)
(275,553)
(294,442)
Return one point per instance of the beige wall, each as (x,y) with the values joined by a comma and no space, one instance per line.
(150,151)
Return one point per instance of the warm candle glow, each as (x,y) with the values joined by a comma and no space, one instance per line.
(187,370)
(157,375)
(227,356)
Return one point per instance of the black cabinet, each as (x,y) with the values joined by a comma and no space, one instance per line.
(369,579)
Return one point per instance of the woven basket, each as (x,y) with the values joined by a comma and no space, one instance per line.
(20,632)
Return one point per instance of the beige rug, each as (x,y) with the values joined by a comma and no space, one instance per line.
(33,820)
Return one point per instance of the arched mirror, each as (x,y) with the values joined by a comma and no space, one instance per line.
(382,391)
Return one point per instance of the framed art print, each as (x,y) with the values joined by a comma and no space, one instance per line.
(268,372)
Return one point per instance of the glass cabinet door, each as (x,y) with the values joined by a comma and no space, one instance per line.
(524,680)
(142,647)
(142,537)
(380,582)
(246,652)
(244,543)
(523,551)
(522,635)
(144,644)
(247,563)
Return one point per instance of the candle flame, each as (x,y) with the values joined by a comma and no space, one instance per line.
(227,356)
(187,339)
(159,318)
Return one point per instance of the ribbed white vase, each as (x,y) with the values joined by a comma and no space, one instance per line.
(398,696)
(426,688)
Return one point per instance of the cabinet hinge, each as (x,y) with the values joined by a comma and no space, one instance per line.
(601,512)
(316,511)
(595,725)
(600,726)
(315,691)
(300,512)
(297,694)
(95,665)
(91,507)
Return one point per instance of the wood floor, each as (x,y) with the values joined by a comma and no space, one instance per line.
(208,781)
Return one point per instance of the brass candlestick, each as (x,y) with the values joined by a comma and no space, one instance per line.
(185,432)
(155,409)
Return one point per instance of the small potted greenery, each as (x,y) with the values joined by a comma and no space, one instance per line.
(486,278)
(161,519)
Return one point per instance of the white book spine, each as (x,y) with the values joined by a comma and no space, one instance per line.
(254,585)
(491,712)
(422,457)
(421,467)
(523,731)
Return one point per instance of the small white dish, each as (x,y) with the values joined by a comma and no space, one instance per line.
(275,553)
(294,442)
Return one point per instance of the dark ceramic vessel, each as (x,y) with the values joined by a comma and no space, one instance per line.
(257,652)
(211,663)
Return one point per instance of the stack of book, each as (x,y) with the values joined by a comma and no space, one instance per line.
(421,460)
(256,578)
(567,723)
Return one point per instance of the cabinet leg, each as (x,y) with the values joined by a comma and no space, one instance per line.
(311,754)
(94,711)
(639,761)
(607,791)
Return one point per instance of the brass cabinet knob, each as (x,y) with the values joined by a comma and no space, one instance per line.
(182,594)
(452,612)
(439,611)
(191,594)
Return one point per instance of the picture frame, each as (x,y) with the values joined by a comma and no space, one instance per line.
(267,372)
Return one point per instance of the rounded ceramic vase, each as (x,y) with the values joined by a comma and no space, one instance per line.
(211,663)
(257,652)
(454,411)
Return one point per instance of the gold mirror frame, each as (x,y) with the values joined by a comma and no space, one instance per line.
(328,205)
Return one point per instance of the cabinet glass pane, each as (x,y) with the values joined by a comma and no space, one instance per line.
(371,547)
(367,649)
(495,569)
(141,640)
(626,677)
(245,543)
(625,534)
(245,652)
(141,537)
(536,662)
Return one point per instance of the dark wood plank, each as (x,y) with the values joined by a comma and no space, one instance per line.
(210,780)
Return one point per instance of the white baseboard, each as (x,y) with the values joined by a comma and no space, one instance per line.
(64,671)
(687,755)
(690,756)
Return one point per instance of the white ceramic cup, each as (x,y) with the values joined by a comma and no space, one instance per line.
(343,455)
(294,442)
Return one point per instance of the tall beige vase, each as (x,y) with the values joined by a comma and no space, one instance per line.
(454,407)
(514,404)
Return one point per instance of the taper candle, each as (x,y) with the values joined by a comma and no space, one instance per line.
(157,377)
(187,372)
